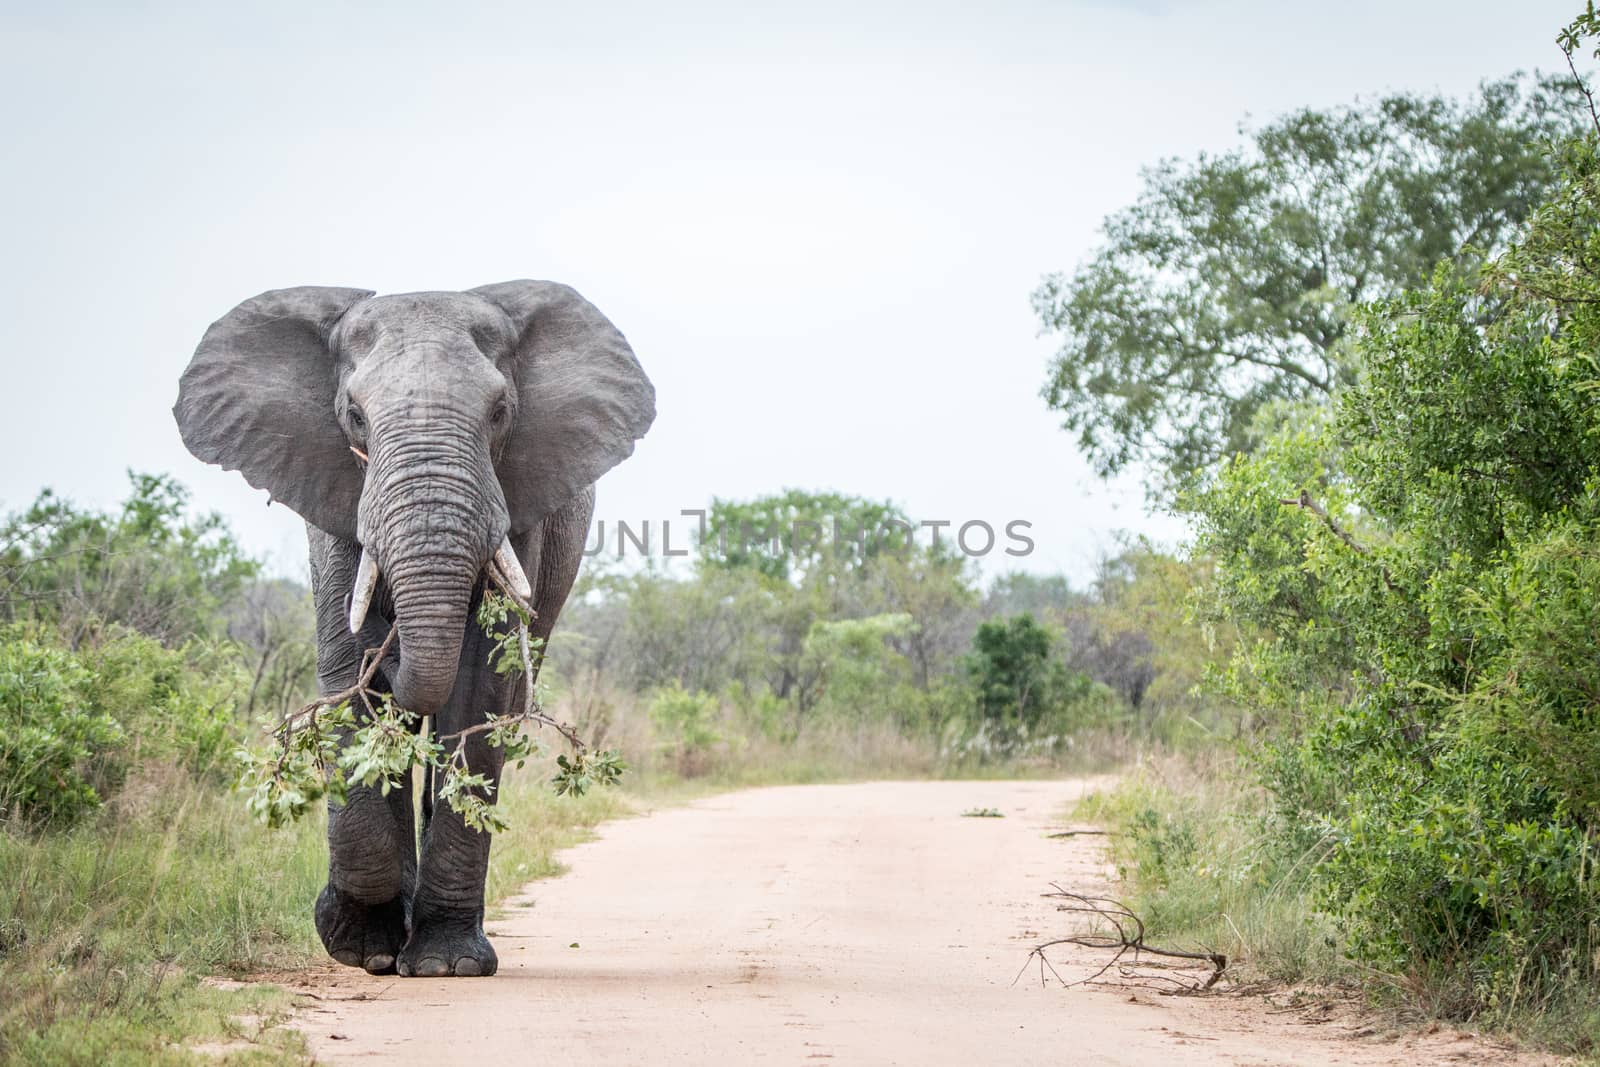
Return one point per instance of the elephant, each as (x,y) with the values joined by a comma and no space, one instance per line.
(424,438)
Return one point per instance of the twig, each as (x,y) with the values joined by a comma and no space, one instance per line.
(1129,938)
(1309,503)
(510,594)
(363,688)
(532,713)
(1583,86)
(1305,500)
(369,667)
(352,997)
(383,750)
(537,717)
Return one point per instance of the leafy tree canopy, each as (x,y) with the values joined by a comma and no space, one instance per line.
(1227,288)
(1413,570)
(148,566)
(1015,668)
(788,535)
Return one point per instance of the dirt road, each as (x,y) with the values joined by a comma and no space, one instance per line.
(863,924)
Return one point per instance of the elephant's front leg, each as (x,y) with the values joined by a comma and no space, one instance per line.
(363,913)
(447,909)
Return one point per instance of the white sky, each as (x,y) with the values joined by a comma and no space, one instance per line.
(819,227)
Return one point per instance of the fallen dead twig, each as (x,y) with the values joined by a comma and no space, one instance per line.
(1128,940)
(359,996)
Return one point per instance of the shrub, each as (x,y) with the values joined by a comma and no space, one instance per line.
(1015,670)
(1026,699)
(1416,570)
(687,721)
(50,733)
(855,674)
(73,723)
(147,566)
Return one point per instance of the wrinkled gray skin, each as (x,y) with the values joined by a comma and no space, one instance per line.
(484,415)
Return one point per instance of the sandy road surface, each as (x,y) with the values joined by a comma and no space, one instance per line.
(862,924)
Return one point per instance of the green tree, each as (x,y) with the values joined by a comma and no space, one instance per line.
(1015,668)
(857,672)
(1413,569)
(147,566)
(795,533)
(703,634)
(1023,690)
(1227,289)
(830,556)
(934,591)
(1139,636)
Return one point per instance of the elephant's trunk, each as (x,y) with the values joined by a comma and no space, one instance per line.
(433,514)
(431,609)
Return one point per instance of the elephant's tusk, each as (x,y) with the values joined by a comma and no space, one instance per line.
(361,595)
(362,456)
(505,560)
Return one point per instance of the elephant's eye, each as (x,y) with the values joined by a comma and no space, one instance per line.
(358,421)
(500,414)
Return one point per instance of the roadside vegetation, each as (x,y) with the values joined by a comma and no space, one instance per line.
(139,651)
(1405,544)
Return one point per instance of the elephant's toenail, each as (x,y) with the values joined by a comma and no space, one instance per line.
(381,963)
(432,967)
(467,967)
(347,956)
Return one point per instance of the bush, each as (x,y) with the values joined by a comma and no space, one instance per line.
(147,566)
(50,734)
(1188,838)
(1416,570)
(687,721)
(74,723)
(854,672)
(1026,699)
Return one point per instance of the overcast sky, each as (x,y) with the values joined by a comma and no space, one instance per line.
(819,226)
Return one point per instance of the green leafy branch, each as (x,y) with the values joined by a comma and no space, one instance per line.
(328,744)
(1572,38)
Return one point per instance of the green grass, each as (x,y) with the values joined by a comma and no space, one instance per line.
(1195,858)
(106,930)
(108,927)
(1195,864)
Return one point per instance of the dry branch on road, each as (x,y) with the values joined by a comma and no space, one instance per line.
(1129,940)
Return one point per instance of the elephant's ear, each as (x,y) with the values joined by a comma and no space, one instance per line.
(258,398)
(582,398)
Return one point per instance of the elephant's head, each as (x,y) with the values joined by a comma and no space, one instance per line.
(428,427)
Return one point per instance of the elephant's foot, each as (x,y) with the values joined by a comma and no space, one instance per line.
(361,935)
(446,947)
